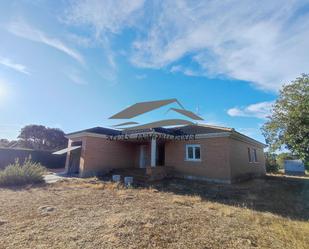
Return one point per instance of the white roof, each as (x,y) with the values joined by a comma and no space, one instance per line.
(63,151)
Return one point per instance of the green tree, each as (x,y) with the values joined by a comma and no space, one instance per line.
(282,157)
(4,142)
(42,138)
(288,124)
(271,163)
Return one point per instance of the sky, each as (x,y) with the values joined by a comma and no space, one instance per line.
(73,64)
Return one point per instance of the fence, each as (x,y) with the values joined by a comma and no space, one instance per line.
(46,158)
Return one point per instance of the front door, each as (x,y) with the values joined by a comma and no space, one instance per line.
(161,155)
(74,162)
(142,156)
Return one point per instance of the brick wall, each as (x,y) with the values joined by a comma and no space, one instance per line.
(240,165)
(222,159)
(102,155)
(214,162)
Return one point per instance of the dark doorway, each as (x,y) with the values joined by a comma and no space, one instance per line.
(74,162)
(161,154)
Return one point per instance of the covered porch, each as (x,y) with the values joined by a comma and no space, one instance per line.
(150,149)
(90,155)
(150,158)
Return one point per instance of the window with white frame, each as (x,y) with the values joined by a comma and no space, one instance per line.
(255,156)
(249,155)
(252,155)
(193,152)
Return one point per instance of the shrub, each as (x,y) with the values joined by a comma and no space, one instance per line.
(307,165)
(271,163)
(282,157)
(21,174)
(272,167)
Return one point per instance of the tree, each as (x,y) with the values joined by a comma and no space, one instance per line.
(271,163)
(282,157)
(288,124)
(4,142)
(42,138)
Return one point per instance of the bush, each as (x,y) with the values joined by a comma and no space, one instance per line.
(282,157)
(307,165)
(271,163)
(21,174)
(272,167)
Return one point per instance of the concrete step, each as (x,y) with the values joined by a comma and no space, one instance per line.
(139,175)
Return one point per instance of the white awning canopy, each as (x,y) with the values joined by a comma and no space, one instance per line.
(63,151)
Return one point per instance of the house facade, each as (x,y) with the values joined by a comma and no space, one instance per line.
(199,152)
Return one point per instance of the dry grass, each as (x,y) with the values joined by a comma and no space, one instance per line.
(174,214)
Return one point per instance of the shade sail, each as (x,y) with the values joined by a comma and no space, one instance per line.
(161,123)
(126,123)
(187,113)
(63,151)
(142,107)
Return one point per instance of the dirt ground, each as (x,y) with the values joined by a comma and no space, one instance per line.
(263,213)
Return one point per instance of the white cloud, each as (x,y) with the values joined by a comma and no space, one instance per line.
(15,66)
(105,19)
(81,41)
(262,42)
(103,16)
(185,70)
(75,77)
(141,76)
(24,30)
(258,110)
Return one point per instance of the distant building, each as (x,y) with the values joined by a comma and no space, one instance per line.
(294,167)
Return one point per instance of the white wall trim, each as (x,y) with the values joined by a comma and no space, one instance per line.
(210,135)
(135,135)
(85,134)
(235,135)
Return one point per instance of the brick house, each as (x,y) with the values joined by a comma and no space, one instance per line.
(200,152)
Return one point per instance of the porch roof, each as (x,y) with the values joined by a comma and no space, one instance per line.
(66,150)
(195,129)
(174,131)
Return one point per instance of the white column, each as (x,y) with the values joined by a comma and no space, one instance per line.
(153,152)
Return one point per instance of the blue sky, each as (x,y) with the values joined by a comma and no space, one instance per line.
(72,64)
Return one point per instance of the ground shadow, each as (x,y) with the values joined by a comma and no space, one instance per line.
(287,197)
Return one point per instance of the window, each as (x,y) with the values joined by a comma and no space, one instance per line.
(193,152)
(255,155)
(252,155)
(249,155)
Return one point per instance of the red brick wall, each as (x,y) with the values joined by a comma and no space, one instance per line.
(240,165)
(214,162)
(103,155)
(222,158)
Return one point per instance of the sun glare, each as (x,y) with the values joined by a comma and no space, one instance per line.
(3,92)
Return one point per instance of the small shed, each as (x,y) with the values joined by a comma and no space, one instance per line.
(294,167)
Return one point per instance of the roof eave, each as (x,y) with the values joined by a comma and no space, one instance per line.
(237,134)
